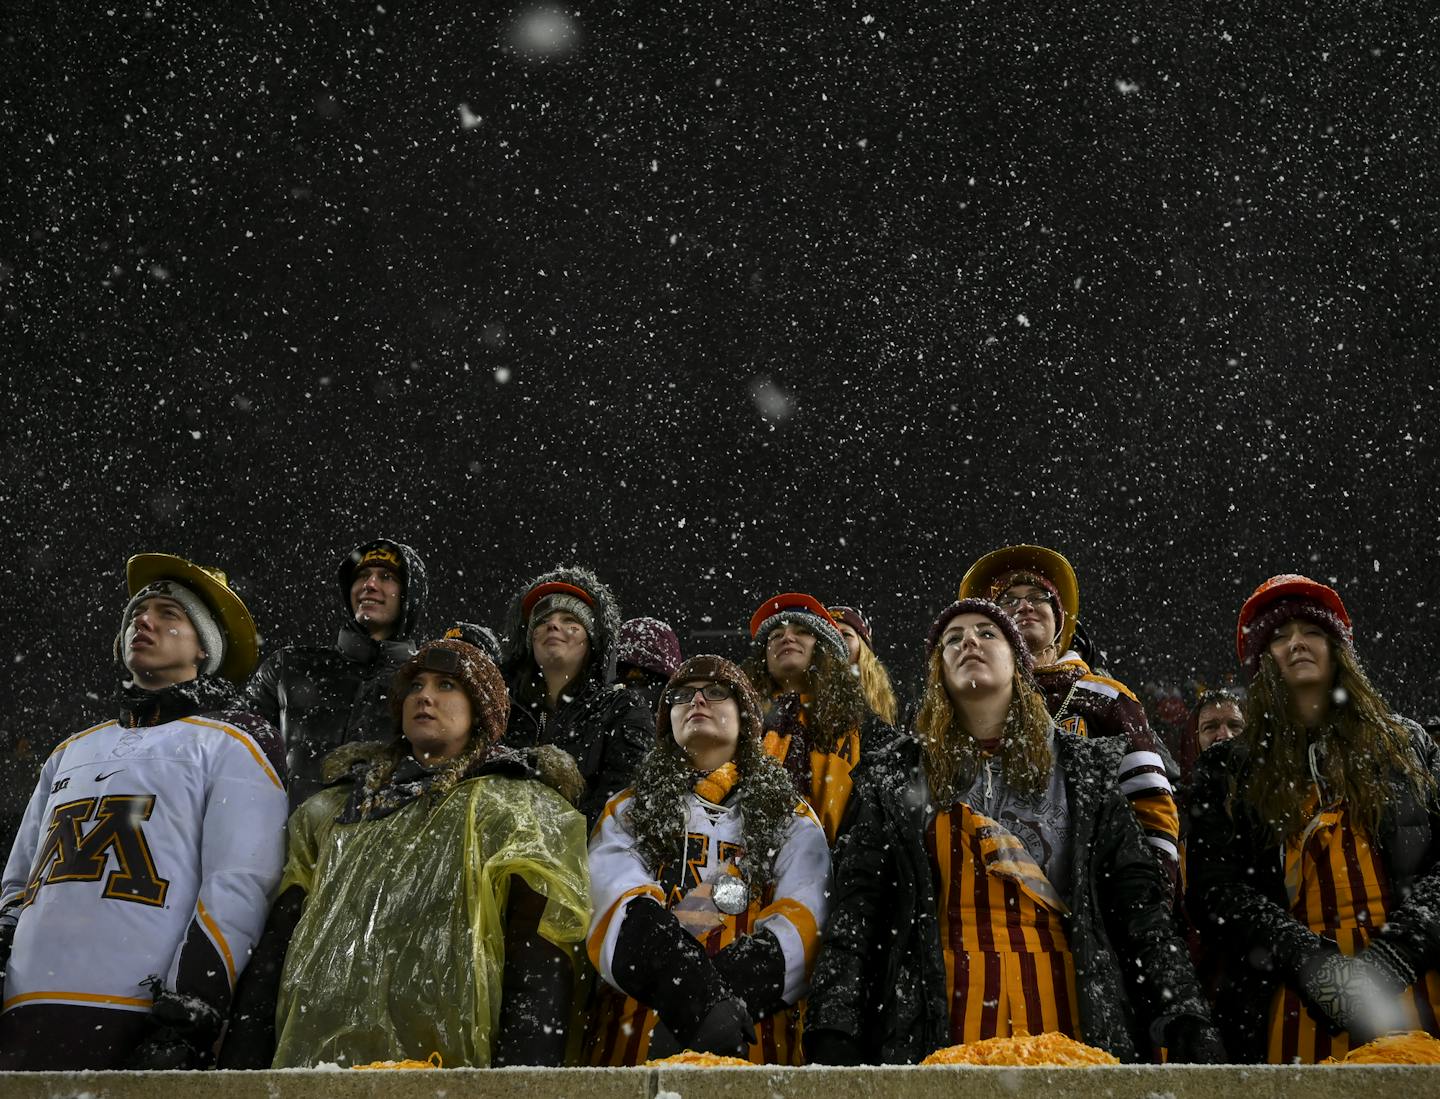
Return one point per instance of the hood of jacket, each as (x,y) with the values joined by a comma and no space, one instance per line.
(412,598)
(519,665)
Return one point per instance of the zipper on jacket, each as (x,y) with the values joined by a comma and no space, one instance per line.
(1312,754)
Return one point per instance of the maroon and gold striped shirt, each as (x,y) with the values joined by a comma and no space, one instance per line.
(1008,966)
(1338,889)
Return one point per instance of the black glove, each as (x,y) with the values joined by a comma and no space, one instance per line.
(726,1030)
(753,967)
(1192,1040)
(1353,994)
(185,1030)
(830,1047)
(660,964)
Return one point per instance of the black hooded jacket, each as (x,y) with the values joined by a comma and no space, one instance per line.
(606,726)
(322,696)
(879,983)
(1237,888)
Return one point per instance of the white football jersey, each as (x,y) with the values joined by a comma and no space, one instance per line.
(794,910)
(145,852)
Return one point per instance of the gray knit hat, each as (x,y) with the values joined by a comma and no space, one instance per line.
(212,637)
(803,610)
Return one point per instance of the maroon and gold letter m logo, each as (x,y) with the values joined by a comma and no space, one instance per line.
(67,855)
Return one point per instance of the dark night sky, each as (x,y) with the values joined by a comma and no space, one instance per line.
(721,300)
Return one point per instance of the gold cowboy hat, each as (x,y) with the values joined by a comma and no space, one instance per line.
(1047,562)
(242,644)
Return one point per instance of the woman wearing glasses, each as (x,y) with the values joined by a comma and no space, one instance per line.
(1313,854)
(995,882)
(711,879)
(431,902)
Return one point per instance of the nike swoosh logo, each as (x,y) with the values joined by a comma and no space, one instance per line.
(102,778)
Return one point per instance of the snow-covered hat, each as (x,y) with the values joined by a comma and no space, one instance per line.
(803,610)
(1023,656)
(472,669)
(1278,600)
(650,644)
(547,599)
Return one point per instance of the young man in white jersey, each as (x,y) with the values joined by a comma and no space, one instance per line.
(140,876)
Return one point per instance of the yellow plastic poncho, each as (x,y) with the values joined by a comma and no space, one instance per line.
(400,949)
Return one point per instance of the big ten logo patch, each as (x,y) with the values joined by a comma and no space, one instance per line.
(71,853)
(677,880)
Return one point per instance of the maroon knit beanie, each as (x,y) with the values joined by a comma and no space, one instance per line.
(650,644)
(852,618)
(1023,657)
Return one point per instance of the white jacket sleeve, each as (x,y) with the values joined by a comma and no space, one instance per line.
(617,876)
(242,852)
(27,840)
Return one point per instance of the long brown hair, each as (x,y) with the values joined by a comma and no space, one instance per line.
(875,685)
(1366,750)
(659,814)
(836,704)
(952,754)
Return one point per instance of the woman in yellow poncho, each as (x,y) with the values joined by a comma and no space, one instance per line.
(439,893)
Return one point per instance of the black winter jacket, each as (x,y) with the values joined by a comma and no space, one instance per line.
(880,979)
(1237,896)
(606,726)
(322,696)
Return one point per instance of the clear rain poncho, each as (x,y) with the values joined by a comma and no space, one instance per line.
(400,950)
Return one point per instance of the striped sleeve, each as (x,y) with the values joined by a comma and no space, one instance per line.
(1144,777)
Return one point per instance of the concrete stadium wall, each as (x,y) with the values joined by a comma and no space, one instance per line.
(1123,1082)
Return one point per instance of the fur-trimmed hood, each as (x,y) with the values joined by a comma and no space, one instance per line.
(519,665)
(553,766)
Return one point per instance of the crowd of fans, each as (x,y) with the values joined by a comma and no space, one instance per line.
(561,843)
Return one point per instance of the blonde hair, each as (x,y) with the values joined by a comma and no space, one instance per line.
(875,685)
(952,754)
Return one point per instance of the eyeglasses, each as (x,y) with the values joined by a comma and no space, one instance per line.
(685,696)
(1008,601)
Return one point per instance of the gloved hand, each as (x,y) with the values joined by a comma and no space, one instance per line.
(1391,966)
(1192,1040)
(1353,994)
(753,968)
(660,964)
(185,1030)
(830,1047)
(726,1029)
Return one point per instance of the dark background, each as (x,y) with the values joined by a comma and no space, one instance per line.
(721,300)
